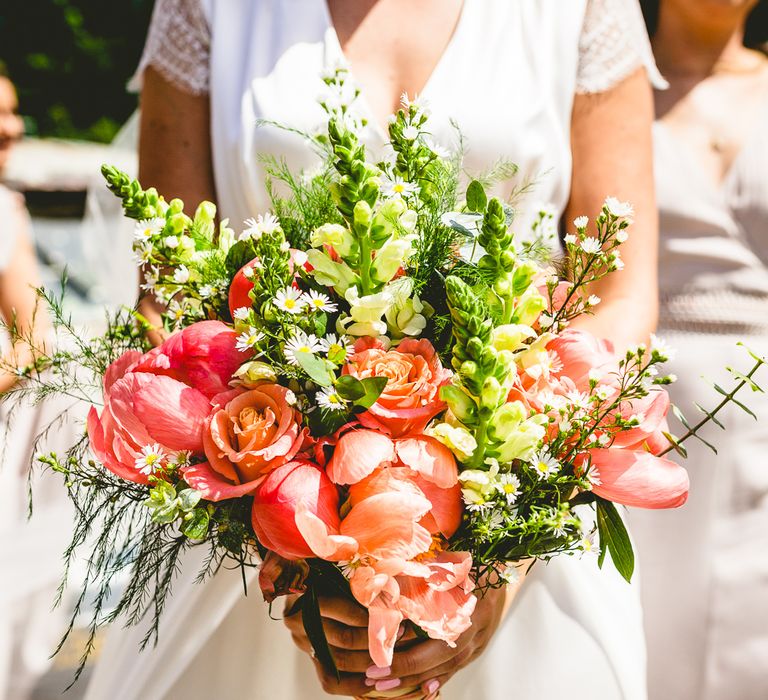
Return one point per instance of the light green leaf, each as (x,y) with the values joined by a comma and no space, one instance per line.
(476,197)
(196,528)
(315,367)
(188,499)
(373,388)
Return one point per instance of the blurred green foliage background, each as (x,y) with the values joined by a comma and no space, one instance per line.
(71,60)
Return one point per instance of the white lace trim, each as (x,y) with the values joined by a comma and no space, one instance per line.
(613,45)
(178,46)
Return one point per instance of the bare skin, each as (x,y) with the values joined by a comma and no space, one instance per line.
(699,48)
(17,282)
(611,139)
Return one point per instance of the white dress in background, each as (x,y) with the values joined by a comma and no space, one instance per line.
(30,550)
(508,78)
(705,566)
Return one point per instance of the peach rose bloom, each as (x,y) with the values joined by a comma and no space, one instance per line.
(414,375)
(249,434)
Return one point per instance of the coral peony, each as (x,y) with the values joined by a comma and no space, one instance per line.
(580,353)
(411,397)
(146,411)
(298,485)
(249,434)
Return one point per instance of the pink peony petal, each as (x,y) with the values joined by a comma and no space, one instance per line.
(357,454)
(383,625)
(638,478)
(119,368)
(430,458)
(211,484)
(104,455)
(654,408)
(324,544)
(174,414)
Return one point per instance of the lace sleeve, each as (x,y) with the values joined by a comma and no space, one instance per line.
(613,44)
(178,46)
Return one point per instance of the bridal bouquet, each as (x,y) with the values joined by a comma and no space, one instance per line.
(372,391)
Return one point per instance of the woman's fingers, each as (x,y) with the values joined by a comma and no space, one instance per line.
(346,684)
(420,658)
(343,610)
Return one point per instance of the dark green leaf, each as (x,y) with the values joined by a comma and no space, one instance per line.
(744,408)
(373,388)
(313,626)
(196,528)
(614,538)
(241,253)
(350,388)
(680,416)
(476,197)
(315,367)
(708,444)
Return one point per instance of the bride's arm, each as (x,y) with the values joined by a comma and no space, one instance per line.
(174,152)
(612,156)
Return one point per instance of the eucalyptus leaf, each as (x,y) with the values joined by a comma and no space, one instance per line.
(373,388)
(350,388)
(614,538)
(196,528)
(315,367)
(477,200)
(189,498)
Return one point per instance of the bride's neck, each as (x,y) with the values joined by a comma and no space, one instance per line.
(687,45)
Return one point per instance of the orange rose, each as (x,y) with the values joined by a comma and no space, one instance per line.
(414,375)
(249,434)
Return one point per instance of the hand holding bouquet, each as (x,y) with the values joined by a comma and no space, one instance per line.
(372,393)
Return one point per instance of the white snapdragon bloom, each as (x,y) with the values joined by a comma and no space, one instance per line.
(457,439)
(336,236)
(171,242)
(365,313)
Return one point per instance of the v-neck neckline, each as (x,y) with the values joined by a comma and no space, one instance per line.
(439,67)
(718,187)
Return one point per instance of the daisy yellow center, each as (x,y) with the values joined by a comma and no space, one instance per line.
(509,488)
(399,188)
(334,398)
(319,303)
(290,303)
(542,466)
(152,459)
(304,348)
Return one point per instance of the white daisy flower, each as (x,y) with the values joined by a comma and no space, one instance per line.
(248,271)
(545,465)
(510,574)
(142,252)
(181,458)
(616,262)
(242,313)
(659,346)
(546,320)
(436,148)
(570,239)
(151,278)
(333,345)
(290,300)
(171,241)
(619,209)
(589,546)
(176,311)
(622,235)
(256,228)
(593,300)
(397,187)
(593,476)
(248,339)
(581,222)
(301,343)
(591,245)
(151,459)
(329,398)
(577,399)
(181,274)
(318,301)
(207,291)
(509,485)
(146,228)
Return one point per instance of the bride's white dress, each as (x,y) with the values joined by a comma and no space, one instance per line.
(508,78)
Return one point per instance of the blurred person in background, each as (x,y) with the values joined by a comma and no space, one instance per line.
(705,566)
(30,551)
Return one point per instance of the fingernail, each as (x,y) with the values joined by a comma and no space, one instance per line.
(369,682)
(431,686)
(389,684)
(400,632)
(378,671)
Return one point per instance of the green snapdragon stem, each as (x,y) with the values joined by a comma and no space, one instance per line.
(365,266)
(476,461)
